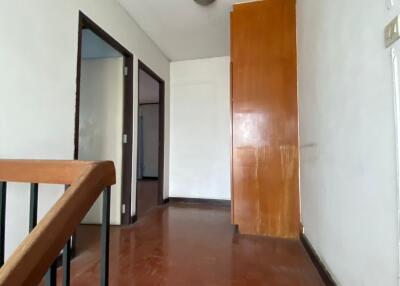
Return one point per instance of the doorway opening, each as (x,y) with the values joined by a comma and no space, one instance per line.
(104,112)
(150,147)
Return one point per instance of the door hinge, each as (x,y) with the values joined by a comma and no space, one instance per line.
(125,138)
(123,209)
(125,71)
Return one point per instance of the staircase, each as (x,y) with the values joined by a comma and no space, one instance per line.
(35,258)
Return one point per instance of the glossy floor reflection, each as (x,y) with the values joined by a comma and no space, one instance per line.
(147,196)
(190,245)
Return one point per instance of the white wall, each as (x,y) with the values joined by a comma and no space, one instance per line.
(38,56)
(150,133)
(100,124)
(348,174)
(200,129)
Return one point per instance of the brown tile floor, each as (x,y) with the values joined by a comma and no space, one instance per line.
(147,191)
(192,245)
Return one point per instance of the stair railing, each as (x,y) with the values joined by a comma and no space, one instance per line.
(36,256)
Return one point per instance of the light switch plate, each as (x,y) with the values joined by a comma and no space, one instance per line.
(392,33)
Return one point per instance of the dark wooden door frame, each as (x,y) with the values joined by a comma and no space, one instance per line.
(161,126)
(126,181)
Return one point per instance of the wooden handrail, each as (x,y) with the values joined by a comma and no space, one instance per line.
(40,248)
(46,171)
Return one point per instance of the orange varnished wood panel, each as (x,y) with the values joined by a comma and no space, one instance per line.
(265,120)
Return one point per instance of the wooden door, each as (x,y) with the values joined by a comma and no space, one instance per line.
(265,119)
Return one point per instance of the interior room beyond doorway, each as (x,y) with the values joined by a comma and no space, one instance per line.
(149,141)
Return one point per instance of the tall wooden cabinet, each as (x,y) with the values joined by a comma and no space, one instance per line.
(265,168)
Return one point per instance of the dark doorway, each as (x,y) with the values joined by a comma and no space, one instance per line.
(150,147)
(125,138)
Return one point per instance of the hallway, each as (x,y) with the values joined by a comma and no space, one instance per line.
(182,244)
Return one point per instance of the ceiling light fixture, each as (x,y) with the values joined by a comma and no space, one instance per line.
(204,2)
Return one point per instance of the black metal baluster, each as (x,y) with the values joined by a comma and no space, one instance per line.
(105,237)
(51,275)
(67,259)
(33,206)
(3,196)
(67,263)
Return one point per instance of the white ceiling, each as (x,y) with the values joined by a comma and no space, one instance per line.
(183,29)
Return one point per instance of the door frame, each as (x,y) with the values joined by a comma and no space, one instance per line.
(126,181)
(161,127)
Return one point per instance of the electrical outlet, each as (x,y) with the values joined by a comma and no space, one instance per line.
(392,33)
